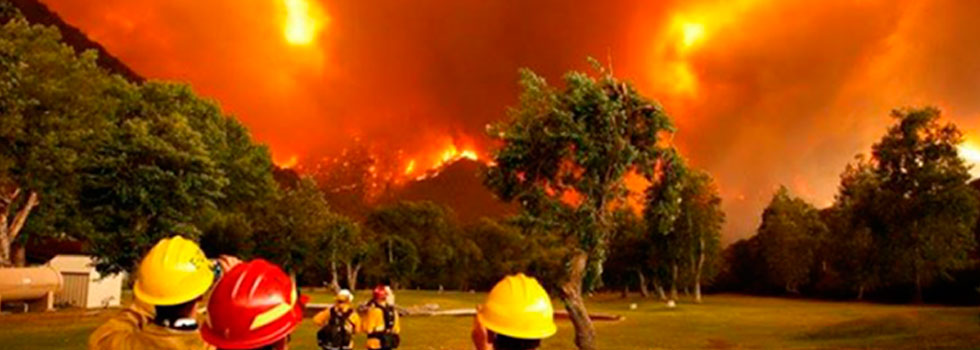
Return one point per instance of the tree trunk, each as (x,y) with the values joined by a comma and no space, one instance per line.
(571,294)
(643,284)
(660,290)
(697,273)
(19,255)
(352,275)
(860,295)
(8,232)
(4,244)
(334,282)
(673,282)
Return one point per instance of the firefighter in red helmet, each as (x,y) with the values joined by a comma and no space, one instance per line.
(255,306)
(381,322)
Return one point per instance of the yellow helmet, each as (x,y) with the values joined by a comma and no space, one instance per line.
(175,271)
(518,307)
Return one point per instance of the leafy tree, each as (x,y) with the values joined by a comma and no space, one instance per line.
(663,209)
(629,249)
(931,210)
(699,225)
(293,228)
(744,268)
(344,244)
(851,247)
(575,143)
(151,179)
(54,108)
(416,240)
(246,165)
(789,235)
(508,246)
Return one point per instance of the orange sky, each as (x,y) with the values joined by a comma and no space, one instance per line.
(764,92)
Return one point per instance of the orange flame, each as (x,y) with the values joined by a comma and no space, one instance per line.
(970,152)
(410,168)
(288,163)
(303,21)
(438,159)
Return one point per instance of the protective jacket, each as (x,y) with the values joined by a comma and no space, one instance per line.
(380,320)
(133,329)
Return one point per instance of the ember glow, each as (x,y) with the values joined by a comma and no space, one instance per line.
(693,32)
(410,167)
(303,21)
(969,151)
(445,156)
(287,163)
(763,92)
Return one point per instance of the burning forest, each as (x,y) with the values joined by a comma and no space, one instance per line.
(622,161)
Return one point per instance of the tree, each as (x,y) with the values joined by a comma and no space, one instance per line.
(700,224)
(54,108)
(744,268)
(245,164)
(345,244)
(292,230)
(661,213)
(926,226)
(151,179)
(851,247)
(789,235)
(576,143)
(629,249)
(417,240)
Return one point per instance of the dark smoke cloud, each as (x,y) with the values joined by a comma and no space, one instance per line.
(785,93)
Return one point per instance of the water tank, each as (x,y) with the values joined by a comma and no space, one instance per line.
(28,283)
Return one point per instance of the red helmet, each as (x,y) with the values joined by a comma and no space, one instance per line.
(380,292)
(253,305)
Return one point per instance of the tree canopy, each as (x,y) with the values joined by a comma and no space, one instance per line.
(563,156)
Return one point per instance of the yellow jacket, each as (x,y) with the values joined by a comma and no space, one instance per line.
(353,325)
(133,329)
(374,322)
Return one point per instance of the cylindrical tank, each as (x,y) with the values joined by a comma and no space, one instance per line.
(26,283)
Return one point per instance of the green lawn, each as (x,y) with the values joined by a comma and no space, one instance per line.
(723,321)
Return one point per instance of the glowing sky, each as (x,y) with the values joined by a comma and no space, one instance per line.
(763,92)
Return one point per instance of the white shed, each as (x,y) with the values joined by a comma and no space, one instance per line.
(83,285)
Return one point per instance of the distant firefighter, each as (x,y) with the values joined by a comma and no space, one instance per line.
(381,321)
(338,324)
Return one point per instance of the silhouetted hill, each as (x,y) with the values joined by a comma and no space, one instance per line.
(37,13)
(458,186)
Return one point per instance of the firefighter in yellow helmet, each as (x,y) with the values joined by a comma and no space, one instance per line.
(338,324)
(516,316)
(170,281)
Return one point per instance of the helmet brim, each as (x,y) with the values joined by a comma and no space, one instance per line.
(270,336)
(519,333)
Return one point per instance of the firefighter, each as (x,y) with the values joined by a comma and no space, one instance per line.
(171,279)
(255,306)
(381,321)
(516,316)
(338,324)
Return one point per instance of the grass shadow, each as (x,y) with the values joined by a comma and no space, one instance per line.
(863,328)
